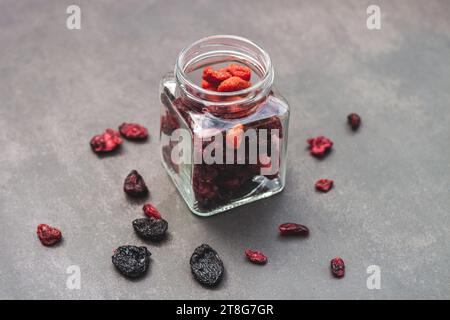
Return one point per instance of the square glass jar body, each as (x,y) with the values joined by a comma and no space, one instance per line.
(223,151)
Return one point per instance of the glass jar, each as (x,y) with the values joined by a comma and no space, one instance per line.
(223,149)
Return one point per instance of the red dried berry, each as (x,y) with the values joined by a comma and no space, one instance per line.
(242,72)
(338,267)
(208,86)
(319,146)
(106,142)
(133,131)
(324,185)
(48,235)
(134,185)
(354,121)
(215,76)
(293,229)
(233,84)
(256,256)
(151,211)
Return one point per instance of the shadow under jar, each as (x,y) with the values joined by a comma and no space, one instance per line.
(223,149)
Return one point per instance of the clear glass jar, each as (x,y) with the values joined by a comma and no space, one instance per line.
(223,149)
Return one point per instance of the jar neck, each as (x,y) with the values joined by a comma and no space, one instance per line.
(223,49)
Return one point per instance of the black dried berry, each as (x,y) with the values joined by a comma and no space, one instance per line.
(206,266)
(134,185)
(131,261)
(150,228)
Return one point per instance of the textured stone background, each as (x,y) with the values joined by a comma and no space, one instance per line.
(390,206)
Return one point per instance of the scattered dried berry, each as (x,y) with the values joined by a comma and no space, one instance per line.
(106,142)
(48,235)
(242,72)
(215,77)
(293,229)
(338,267)
(256,256)
(206,266)
(151,228)
(133,131)
(354,121)
(324,185)
(233,84)
(134,185)
(319,146)
(131,261)
(151,211)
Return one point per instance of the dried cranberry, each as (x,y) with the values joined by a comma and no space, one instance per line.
(256,256)
(134,185)
(151,211)
(48,235)
(324,185)
(106,142)
(293,229)
(354,121)
(133,131)
(319,146)
(338,267)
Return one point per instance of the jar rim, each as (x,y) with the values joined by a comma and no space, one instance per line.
(265,80)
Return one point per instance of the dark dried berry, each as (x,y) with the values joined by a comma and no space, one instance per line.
(338,267)
(256,256)
(319,146)
(206,266)
(151,211)
(324,185)
(48,235)
(131,261)
(151,228)
(293,229)
(133,131)
(354,121)
(106,142)
(134,185)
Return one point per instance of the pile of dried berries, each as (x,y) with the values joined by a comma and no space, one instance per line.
(134,185)
(290,228)
(232,78)
(48,235)
(131,261)
(206,266)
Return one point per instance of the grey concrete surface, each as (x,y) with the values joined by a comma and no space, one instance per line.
(390,205)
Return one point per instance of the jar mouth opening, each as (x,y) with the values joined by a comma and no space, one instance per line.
(221,48)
